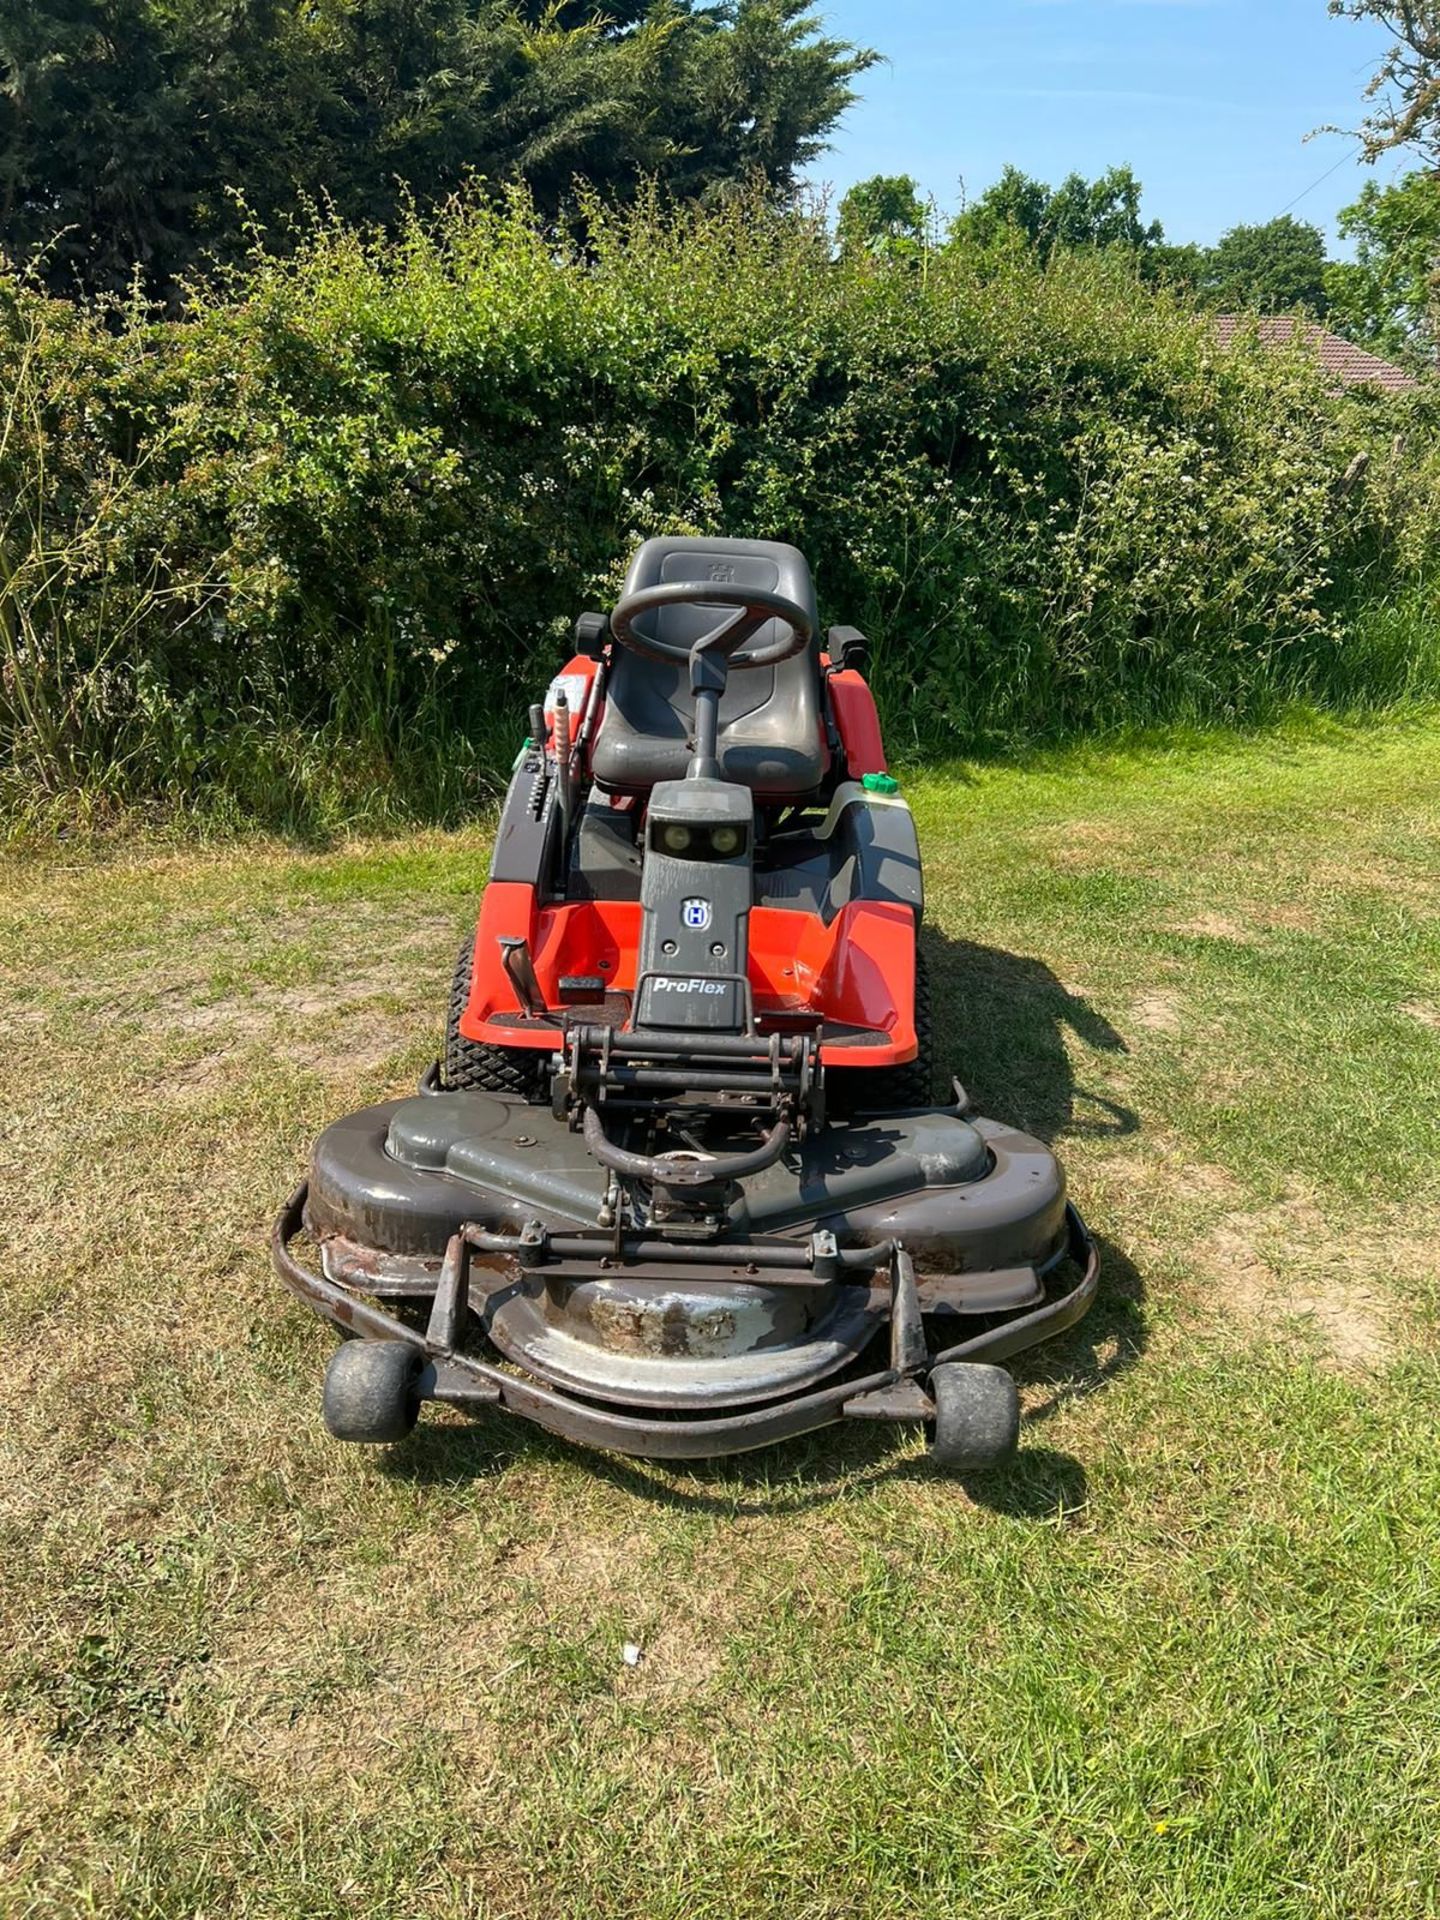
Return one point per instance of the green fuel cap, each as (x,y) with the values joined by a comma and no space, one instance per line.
(880,783)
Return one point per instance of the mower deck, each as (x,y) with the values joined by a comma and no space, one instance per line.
(671,1349)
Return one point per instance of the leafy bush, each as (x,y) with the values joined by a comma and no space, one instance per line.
(312,549)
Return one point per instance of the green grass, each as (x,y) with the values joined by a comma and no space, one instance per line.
(1182,1660)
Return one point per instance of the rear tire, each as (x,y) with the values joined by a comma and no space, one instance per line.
(372,1392)
(516,1073)
(977,1416)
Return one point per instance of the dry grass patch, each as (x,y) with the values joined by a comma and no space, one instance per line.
(1356,1300)
(1162,1010)
(1368,871)
(1288,1271)
(1087,846)
(1214,926)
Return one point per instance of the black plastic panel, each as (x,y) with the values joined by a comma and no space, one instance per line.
(525,845)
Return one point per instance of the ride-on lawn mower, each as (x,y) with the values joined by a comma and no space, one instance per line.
(677,1187)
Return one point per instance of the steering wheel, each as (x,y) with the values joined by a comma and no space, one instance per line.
(753,606)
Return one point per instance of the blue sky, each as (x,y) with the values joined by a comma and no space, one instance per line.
(1208,100)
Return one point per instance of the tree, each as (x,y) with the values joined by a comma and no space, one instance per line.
(1012,211)
(1101,213)
(882,215)
(1184,265)
(1077,214)
(131,129)
(1268,269)
(1405,87)
(1386,297)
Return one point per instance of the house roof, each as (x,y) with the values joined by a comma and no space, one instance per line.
(1352,366)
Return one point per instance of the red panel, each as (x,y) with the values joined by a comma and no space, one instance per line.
(577,677)
(507,911)
(592,936)
(853,705)
(860,970)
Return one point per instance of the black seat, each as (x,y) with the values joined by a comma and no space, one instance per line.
(771,738)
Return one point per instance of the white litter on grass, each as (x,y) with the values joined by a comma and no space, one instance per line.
(631,1654)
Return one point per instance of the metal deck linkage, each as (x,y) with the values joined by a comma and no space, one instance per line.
(458,1378)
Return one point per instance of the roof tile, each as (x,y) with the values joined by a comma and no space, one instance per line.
(1352,366)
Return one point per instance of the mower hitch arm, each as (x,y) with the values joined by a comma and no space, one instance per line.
(666,1170)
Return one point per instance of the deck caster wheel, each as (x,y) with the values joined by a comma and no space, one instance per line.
(372,1390)
(977,1416)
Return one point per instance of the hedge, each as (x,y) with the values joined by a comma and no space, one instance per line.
(306,553)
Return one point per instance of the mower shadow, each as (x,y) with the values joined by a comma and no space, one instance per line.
(1001,1024)
(1001,1021)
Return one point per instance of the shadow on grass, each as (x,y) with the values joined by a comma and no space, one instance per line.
(1002,1020)
(1106,1343)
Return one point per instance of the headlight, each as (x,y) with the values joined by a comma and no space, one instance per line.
(675,839)
(725,840)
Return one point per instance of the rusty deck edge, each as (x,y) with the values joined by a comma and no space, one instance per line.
(461,1379)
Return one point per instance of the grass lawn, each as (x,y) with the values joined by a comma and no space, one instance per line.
(1183,1660)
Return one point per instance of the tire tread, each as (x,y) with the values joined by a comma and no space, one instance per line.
(517,1073)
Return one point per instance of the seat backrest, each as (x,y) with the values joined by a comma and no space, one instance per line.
(771,736)
(744,563)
